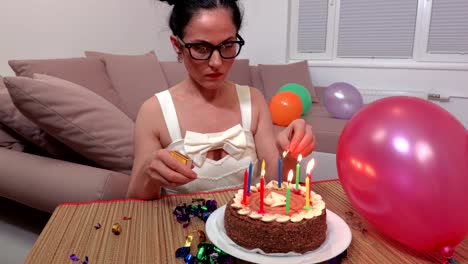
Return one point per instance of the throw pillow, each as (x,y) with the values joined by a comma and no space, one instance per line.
(87,72)
(16,122)
(135,77)
(277,75)
(82,120)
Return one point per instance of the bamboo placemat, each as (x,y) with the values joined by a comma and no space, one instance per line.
(151,233)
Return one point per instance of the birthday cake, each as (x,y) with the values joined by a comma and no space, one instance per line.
(275,231)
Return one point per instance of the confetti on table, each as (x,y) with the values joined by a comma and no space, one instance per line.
(74,257)
(116,229)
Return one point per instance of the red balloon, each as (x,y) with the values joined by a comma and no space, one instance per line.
(285,107)
(403,163)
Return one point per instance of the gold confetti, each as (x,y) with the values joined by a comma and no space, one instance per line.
(116,229)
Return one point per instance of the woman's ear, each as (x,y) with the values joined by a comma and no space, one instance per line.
(175,44)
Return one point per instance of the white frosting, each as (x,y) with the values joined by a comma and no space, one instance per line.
(237,205)
(255,215)
(283,219)
(297,218)
(244,211)
(268,217)
(275,199)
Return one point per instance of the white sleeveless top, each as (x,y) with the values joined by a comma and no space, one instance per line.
(237,142)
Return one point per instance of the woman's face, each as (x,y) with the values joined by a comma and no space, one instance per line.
(213,26)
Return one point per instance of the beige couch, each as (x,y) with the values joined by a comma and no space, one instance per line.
(68,138)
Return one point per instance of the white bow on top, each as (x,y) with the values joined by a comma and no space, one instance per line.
(233,141)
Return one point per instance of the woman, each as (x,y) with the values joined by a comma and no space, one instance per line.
(221,126)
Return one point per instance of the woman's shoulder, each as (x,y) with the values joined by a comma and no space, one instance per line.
(256,95)
(254,92)
(150,109)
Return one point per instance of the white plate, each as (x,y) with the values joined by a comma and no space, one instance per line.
(338,240)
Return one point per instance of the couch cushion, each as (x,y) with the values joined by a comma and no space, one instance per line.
(256,78)
(134,77)
(240,72)
(79,118)
(87,72)
(175,72)
(43,183)
(9,141)
(327,131)
(277,75)
(20,125)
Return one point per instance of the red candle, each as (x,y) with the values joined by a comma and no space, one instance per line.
(246,180)
(310,167)
(261,210)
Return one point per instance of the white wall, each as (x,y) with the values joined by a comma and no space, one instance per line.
(57,28)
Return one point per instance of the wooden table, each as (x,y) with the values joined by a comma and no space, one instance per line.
(151,234)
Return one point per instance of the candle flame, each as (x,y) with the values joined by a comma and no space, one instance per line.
(310,165)
(263,166)
(262,173)
(299,158)
(290,175)
(285,153)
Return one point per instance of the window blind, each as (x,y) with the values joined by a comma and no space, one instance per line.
(312,26)
(376,28)
(448,30)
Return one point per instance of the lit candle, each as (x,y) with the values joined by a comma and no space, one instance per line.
(263,166)
(298,171)
(288,191)
(261,210)
(244,196)
(307,198)
(250,178)
(280,170)
(309,168)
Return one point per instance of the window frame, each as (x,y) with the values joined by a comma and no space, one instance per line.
(421,58)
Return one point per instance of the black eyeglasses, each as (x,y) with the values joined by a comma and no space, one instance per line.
(204,50)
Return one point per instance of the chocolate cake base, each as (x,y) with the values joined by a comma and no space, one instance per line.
(275,237)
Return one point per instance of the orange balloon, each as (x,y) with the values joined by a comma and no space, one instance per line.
(285,107)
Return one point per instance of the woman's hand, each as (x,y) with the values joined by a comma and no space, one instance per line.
(166,170)
(297,138)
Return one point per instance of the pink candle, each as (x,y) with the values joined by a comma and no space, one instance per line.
(246,180)
(261,210)
(310,167)
(298,171)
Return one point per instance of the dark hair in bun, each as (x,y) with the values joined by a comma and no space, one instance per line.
(170,2)
(184,10)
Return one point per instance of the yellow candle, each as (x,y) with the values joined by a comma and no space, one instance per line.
(310,166)
(307,198)
(288,191)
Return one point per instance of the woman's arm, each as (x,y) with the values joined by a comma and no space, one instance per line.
(146,143)
(297,137)
(153,166)
(265,142)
